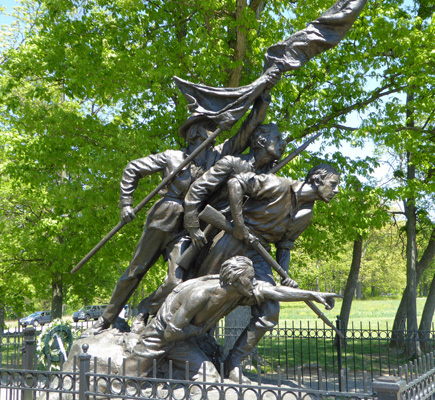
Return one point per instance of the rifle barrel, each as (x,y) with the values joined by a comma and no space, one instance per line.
(294,153)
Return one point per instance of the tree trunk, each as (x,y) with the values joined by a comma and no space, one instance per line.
(318,277)
(2,318)
(359,290)
(426,318)
(351,283)
(56,297)
(399,324)
(239,45)
(413,347)
(429,306)
(398,334)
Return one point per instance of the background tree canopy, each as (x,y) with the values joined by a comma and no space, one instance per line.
(86,86)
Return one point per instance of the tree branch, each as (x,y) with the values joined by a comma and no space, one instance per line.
(379,93)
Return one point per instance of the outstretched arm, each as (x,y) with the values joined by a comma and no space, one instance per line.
(284,293)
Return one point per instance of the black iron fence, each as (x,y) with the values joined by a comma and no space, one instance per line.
(11,348)
(307,357)
(82,380)
(312,354)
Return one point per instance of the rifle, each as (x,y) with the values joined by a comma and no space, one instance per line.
(150,195)
(215,218)
(294,154)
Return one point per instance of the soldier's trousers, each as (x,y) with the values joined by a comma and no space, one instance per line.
(152,244)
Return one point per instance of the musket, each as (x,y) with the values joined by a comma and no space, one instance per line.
(294,154)
(150,195)
(191,252)
(215,218)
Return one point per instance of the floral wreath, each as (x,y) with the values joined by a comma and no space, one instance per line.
(54,342)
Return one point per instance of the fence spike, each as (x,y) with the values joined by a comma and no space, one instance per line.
(411,370)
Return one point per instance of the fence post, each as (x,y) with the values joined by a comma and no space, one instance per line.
(389,387)
(28,359)
(339,356)
(84,368)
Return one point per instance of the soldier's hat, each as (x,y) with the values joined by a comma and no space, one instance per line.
(195,119)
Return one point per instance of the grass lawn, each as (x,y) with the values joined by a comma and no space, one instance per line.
(365,312)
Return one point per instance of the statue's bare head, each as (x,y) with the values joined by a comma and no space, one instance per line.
(238,271)
(326,179)
(269,138)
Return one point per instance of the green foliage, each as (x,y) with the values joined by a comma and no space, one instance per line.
(90,88)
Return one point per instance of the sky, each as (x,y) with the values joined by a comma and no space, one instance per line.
(9,4)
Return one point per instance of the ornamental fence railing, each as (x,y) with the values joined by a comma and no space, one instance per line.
(300,357)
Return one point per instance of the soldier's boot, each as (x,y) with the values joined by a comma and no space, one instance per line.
(234,372)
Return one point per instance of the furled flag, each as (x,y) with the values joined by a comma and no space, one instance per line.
(322,34)
(224,106)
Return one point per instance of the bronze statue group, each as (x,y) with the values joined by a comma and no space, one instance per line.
(213,267)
